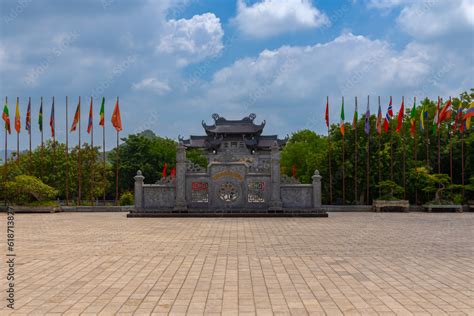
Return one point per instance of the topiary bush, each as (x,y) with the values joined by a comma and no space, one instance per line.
(26,189)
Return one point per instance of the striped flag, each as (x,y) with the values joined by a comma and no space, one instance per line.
(17,117)
(28,117)
(89,125)
(423,116)
(469,114)
(342,118)
(51,120)
(102,113)
(6,118)
(446,111)
(458,120)
(77,117)
(388,116)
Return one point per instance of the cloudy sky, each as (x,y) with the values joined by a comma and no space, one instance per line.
(174,63)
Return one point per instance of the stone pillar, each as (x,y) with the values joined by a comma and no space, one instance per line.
(139,190)
(316,189)
(275,202)
(180,204)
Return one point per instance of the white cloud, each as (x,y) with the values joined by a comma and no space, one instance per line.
(273,17)
(430,19)
(296,79)
(153,85)
(192,40)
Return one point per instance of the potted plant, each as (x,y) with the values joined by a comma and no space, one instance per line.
(390,197)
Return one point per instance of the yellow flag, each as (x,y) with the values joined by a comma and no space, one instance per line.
(468,119)
(17,117)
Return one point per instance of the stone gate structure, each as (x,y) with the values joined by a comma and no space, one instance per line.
(242,177)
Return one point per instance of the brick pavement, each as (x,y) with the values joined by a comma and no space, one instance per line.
(349,263)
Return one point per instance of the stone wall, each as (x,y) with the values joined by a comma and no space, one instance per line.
(297,195)
(158,196)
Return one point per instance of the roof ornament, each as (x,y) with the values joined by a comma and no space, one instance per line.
(215,116)
(252,116)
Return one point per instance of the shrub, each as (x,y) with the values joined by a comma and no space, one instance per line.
(25,189)
(127,199)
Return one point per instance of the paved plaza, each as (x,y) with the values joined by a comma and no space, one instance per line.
(349,263)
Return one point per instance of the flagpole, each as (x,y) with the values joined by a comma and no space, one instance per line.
(329,155)
(437,132)
(117,168)
(415,154)
(368,155)
(42,141)
(462,163)
(380,156)
(54,136)
(391,147)
(79,158)
(5,169)
(404,154)
(450,132)
(67,153)
(343,171)
(103,156)
(17,139)
(355,154)
(90,163)
(29,137)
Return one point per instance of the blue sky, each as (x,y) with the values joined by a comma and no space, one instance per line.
(174,63)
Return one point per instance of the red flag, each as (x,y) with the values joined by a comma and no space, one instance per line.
(446,111)
(163,174)
(77,117)
(116,119)
(327,112)
(400,116)
(173,172)
(89,125)
(293,171)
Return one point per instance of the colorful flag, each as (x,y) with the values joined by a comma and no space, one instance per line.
(6,118)
(327,112)
(446,111)
(17,117)
(342,118)
(116,119)
(400,116)
(28,117)
(77,117)
(436,117)
(40,116)
(163,173)
(356,116)
(367,119)
(52,121)
(173,173)
(379,120)
(423,116)
(469,114)
(89,125)
(102,113)
(412,118)
(388,116)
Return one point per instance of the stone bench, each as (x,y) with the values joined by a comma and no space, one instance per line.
(433,207)
(378,205)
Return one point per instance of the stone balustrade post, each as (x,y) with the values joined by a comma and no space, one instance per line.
(139,190)
(275,202)
(180,183)
(316,189)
